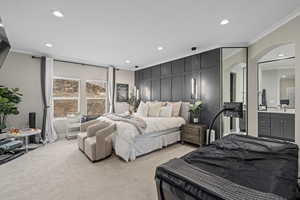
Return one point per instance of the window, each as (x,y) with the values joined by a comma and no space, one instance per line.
(96,97)
(66,93)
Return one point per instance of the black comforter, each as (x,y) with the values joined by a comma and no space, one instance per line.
(261,167)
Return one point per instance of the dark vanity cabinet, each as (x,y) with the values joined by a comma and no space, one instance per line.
(276,125)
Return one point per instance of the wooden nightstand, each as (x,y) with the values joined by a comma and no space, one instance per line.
(194,133)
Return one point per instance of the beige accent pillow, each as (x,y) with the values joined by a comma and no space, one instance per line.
(166,111)
(142,110)
(175,108)
(154,109)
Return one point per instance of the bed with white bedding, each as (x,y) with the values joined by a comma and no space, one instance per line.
(129,143)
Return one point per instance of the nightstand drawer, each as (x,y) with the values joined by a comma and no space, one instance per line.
(191,131)
(194,133)
(191,138)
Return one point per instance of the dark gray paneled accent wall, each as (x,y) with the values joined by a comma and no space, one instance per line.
(171,81)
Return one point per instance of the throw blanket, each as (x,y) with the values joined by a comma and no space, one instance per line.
(139,123)
(179,173)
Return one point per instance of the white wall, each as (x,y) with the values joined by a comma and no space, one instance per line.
(21,71)
(125,77)
(77,71)
(82,72)
(288,33)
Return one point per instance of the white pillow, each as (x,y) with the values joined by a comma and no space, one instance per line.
(154,109)
(166,111)
(175,108)
(142,110)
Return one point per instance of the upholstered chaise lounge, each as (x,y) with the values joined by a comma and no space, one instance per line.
(99,146)
(95,139)
(83,133)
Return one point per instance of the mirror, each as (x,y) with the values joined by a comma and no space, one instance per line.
(234,77)
(276,84)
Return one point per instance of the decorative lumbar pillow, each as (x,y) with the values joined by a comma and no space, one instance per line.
(166,111)
(142,110)
(175,108)
(154,109)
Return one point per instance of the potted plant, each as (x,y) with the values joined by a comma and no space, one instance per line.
(9,98)
(195,111)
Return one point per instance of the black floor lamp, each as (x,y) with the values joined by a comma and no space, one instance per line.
(230,109)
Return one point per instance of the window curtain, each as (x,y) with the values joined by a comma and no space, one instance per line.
(111,89)
(48,132)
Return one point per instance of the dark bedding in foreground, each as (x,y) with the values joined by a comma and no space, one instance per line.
(235,167)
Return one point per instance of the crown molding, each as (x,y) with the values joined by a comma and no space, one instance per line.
(275,26)
(37,54)
(26,52)
(199,50)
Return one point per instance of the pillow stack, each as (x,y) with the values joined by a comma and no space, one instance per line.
(142,110)
(159,109)
(175,108)
(154,109)
(166,111)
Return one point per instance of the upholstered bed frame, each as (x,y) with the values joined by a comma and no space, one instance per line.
(145,144)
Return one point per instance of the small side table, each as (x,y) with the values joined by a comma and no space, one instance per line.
(73,125)
(25,134)
(194,133)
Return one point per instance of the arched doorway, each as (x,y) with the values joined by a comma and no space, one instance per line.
(276,93)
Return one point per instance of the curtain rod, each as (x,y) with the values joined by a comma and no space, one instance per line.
(71,62)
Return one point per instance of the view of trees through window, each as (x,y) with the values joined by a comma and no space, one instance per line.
(95,97)
(65,96)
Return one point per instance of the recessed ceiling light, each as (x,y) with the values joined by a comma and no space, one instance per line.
(127,61)
(283,76)
(57,13)
(224,22)
(1,25)
(49,45)
(280,55)
(159,48)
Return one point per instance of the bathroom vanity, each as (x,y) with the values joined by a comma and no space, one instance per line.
(277,124)
(276,94)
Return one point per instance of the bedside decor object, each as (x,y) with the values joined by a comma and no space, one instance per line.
(194,133)
(9,99)
(195,111)
(133,102)
(122,92)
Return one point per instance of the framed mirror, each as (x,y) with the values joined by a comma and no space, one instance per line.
(234,87)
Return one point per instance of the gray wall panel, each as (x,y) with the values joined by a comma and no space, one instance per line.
(171,81)
(166,89)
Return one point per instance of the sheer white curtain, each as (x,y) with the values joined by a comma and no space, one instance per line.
(111,89)
(50,133)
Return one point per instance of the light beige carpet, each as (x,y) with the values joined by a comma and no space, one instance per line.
(60,171)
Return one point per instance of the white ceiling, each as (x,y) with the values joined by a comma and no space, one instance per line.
(112,31)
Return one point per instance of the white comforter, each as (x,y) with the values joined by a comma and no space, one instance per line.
(126,133)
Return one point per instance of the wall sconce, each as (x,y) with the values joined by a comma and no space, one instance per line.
(194,88)
(137,94)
